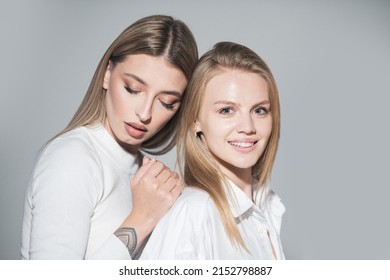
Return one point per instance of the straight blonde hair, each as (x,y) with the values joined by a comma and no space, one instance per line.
(197,165)
(156,35)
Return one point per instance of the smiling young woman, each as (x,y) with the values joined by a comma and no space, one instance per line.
(92,194)
(227,143)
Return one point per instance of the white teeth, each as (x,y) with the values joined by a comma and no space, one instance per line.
(242,144)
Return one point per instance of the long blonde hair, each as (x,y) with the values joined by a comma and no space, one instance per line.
(156,35)
(197,165)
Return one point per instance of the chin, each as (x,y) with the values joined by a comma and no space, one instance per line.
(243,165)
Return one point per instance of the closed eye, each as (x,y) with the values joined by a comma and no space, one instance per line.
(169,106)
(132,91)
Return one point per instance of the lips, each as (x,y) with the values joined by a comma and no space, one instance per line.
(243,146)
(135,130)
(137,126)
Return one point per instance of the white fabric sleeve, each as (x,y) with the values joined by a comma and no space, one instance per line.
(112,249)
(66,186)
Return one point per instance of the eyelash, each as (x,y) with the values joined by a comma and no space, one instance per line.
(167,106)
(266,111)
(131,91)
(224,110)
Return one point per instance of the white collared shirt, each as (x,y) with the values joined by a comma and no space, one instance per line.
(192,229)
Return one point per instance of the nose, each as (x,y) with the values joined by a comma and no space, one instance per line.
(144,110)
(246,124)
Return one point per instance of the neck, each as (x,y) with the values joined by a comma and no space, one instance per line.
(242,177)
(131,149)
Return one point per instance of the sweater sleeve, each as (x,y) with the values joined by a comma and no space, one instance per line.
(64,190)
(112,249)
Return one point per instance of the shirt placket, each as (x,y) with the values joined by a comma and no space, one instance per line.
(267,233)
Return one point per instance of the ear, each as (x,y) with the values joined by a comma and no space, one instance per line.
(107,75)
(197,127)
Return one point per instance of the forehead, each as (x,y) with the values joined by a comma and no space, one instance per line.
(153,71)
(236,85)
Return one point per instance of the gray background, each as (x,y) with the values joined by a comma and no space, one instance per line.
(330,59)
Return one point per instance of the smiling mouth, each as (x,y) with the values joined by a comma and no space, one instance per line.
(242,145)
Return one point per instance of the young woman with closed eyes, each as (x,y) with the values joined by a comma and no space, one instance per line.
(92,194)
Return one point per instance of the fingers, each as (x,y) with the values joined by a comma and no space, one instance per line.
(150,167)
(173,185)
(155,191)
(156,175)
(156,167)
(145,160)
(146,164)
(164,175)
(177,190)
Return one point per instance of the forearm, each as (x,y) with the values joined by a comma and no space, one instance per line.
(134,232)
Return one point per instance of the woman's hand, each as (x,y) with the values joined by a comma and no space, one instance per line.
(154,189)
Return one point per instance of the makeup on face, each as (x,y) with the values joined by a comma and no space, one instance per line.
(143,94)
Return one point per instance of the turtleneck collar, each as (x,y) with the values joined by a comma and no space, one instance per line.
(126,161)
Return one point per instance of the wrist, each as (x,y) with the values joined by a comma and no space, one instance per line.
(128,236)
(142,226)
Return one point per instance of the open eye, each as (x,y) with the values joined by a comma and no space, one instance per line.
(261,111)
(226,110)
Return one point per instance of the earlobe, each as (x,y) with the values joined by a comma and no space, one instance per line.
(197,129)
(107,76)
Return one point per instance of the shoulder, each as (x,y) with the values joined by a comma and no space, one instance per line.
(274,206)
(266,198)
(75,145)
(194,196)
(179,232)
(68,165)
(190,208)
(72,152)
(193,201)
(75,141)
(274,203)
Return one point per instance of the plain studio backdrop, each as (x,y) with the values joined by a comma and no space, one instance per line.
(331,62)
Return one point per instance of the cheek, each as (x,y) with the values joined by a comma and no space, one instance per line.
(161,116)
(111,104)
(118,101)
(218,130)
(265,128)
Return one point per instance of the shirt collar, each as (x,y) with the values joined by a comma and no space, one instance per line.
(239,202)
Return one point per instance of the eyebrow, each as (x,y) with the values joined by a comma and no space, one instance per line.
(226,102)
(138,79)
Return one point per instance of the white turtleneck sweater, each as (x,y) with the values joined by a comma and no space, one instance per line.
(79,194)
